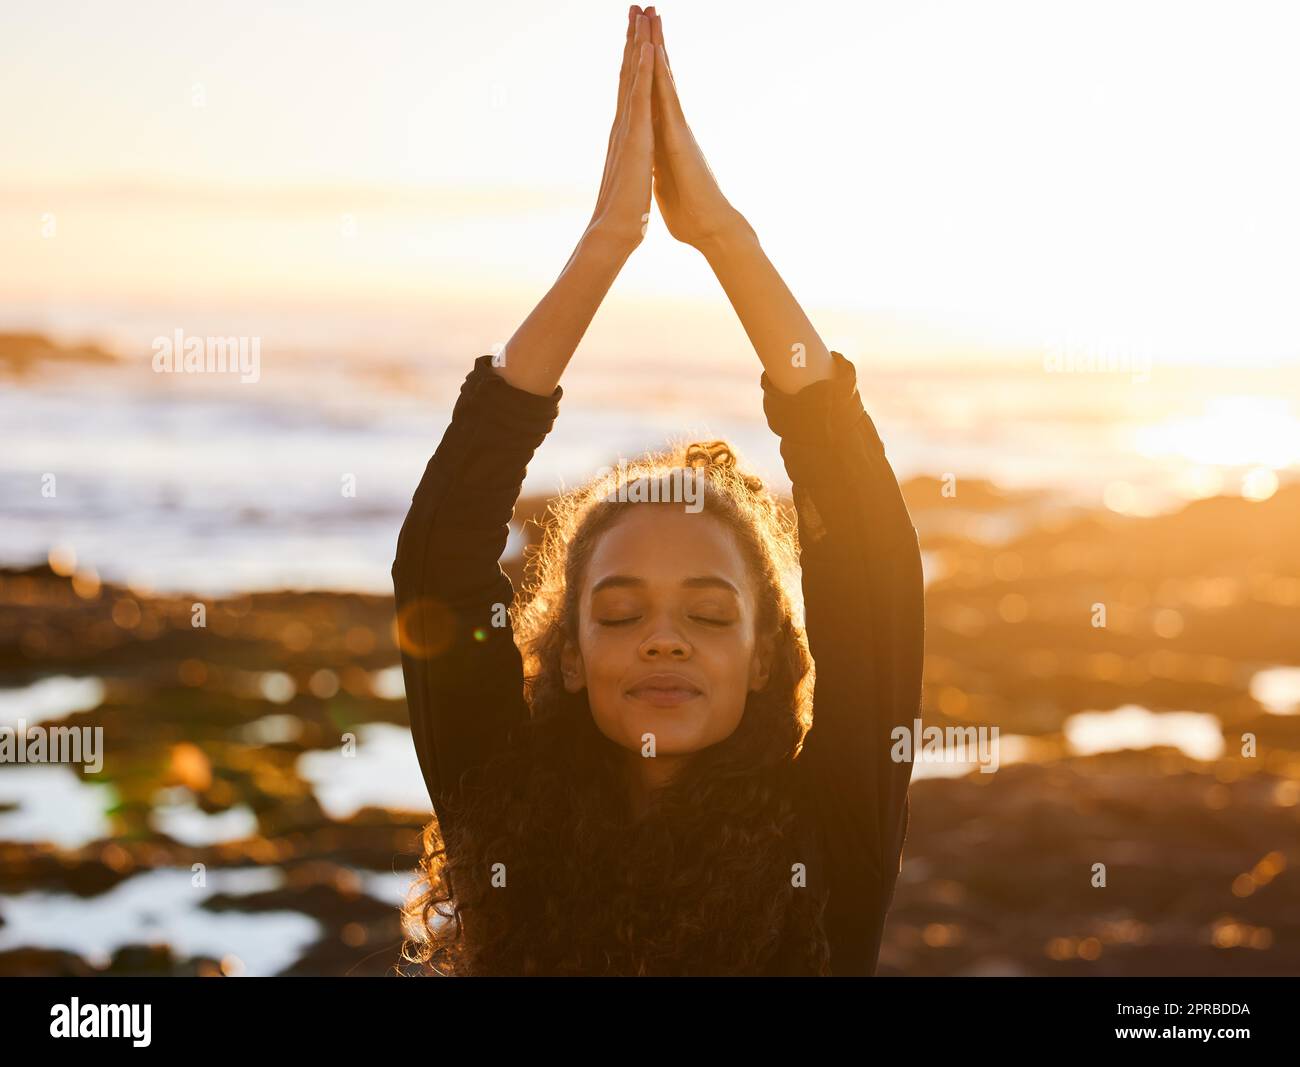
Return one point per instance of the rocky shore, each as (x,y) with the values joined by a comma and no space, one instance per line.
(1201,853)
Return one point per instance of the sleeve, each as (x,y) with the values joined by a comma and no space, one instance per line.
(864,616)
(463,671)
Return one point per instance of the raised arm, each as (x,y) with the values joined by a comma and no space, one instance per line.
(698,214)
(463,672)
(535,357)
(864,613)
(863,599)
(858,548)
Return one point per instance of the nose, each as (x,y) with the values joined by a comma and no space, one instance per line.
(665,645)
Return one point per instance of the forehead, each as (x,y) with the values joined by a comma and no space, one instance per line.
(664,544)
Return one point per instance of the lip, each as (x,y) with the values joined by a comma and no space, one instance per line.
(665,690)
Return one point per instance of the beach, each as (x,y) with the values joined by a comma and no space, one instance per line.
(1142,673)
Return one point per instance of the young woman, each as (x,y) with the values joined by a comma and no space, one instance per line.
(622,767)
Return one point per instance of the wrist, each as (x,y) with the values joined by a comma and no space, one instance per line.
(601,246)
(736,238)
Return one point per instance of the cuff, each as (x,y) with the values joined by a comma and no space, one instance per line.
(487,390)
(820,411)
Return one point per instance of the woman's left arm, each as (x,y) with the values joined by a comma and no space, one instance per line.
(862,582)
(864,616)
(863,590)
(697,213)
(790,349)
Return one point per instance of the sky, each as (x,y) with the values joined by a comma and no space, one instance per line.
(940,180)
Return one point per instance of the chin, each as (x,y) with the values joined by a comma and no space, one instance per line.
(677,731)
(672,742)
(669,732)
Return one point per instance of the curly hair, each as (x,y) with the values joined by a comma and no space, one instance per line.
(700,885)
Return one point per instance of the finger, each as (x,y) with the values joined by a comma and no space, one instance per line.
(658,34)
(656,38)
(663,69)
(625,70)
(670,108)
(639,36)
(631,177)
(636,136)
(625,75)
(639,115)
(638,88)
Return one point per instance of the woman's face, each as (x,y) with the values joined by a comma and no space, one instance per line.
(667,636)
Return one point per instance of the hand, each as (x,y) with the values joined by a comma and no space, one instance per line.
(693,207)
(623,205)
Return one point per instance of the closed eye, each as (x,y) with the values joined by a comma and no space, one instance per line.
(618,622)
(710,622)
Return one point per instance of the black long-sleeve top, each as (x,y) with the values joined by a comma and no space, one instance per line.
(862,588)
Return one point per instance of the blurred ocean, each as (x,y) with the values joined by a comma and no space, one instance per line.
(199,482)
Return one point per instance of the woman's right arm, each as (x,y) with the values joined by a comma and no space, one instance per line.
(463,671)
(535,357)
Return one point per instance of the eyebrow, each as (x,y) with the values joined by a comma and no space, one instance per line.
(704,581)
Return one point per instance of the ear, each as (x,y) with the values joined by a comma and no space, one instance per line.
(760,665)
(572,667)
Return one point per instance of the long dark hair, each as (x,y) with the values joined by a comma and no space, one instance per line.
(541,867)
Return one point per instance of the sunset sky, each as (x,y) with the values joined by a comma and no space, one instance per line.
(937,178)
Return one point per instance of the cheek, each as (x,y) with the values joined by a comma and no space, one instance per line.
(606,655)
(724,658)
